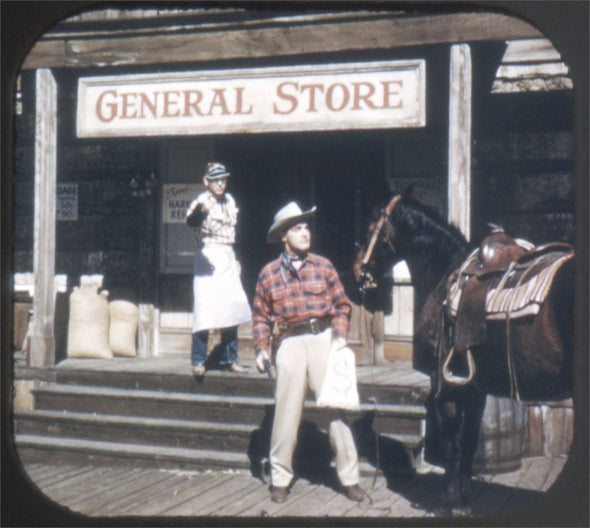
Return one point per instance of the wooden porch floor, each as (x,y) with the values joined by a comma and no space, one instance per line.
(132,492)
(135,492)
(399,373)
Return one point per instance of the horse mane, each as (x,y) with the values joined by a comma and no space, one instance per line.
(433,220)
(430,245)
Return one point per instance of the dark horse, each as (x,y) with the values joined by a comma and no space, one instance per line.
(529,357)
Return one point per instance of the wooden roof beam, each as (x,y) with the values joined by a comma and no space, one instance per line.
(241,43)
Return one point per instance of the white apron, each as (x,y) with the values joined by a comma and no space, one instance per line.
(219,298)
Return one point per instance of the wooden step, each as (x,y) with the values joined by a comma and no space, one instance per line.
(175,405)
(215,382)
(32,448)
(136,430)
(211,408)
(222,383)
(175,433)
(63,450)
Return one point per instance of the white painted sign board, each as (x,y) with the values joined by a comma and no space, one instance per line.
(67,201)
(368,95)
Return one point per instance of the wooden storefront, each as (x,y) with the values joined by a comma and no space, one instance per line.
(497,145)
(485,132)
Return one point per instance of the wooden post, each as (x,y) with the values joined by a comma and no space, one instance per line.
(459,184)
(42,340)
(147,340)
(379,338)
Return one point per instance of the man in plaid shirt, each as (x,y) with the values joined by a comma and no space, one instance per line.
(302,293)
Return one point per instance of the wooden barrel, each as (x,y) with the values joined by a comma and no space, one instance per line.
(502,435)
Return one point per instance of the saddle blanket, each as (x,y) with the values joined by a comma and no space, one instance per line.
(516,292)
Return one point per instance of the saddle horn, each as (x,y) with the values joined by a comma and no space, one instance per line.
(450,378)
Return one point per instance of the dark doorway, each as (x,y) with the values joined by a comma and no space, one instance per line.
(342,173)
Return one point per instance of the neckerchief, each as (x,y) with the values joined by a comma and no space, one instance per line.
(287,265)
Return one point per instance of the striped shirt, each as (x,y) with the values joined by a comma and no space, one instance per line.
(218,226)
(284,294)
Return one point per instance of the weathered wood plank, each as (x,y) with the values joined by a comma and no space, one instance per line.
(530,50)
(78,493)
(71,481)
(265,507)
(555,470)
(154,502)
(37,469)
(535,474)
(257,493)
(298,501)
(511,479)
(524,71)
(407,380)
(44,473)
(107,502)
(389,32)
(459,171)
(419,495)
(147,492)
(137,489)
(193,499)
(320,503)
(147,331)
(88,493)
(230,492)
(42,339)
(379,502)
(64,477)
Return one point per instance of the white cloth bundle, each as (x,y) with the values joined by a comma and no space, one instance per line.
(339,389)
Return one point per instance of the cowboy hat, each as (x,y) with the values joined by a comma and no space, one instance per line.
(286,217)
(216,171)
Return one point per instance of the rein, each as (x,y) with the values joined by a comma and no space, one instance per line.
(387,212)
(366,258)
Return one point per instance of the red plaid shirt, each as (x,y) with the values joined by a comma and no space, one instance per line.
(286,295)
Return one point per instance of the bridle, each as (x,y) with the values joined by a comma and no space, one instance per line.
(385,214)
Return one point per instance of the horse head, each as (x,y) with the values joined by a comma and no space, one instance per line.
(377,254)
(408,230)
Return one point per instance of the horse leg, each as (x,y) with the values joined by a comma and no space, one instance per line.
(442,448)
(451,439)
(473,405)
(453,425)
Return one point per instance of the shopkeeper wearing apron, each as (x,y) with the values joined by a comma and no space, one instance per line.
(219,298)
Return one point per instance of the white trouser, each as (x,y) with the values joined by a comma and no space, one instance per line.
(299,359)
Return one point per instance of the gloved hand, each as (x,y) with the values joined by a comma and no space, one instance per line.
(338,343)
(262,361)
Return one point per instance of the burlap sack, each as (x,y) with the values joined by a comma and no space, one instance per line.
(88,327)
(123,329)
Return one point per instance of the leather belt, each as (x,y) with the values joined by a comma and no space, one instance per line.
(315,325)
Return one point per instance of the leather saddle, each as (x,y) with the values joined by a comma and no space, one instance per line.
(503,279)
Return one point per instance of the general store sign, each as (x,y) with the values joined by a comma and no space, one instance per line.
(369,95)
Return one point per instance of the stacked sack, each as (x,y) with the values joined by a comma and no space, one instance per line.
(97,328)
